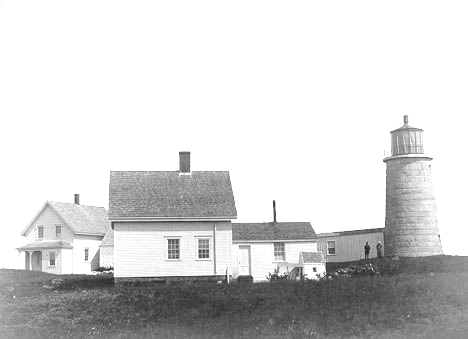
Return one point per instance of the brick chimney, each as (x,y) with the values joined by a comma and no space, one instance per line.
(77,199)
(184,162)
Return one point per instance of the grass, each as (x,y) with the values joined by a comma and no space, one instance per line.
(405,302)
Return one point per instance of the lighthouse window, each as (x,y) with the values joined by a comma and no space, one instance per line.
(331,248)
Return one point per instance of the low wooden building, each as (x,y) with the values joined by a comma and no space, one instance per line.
(261,248)
(349,245)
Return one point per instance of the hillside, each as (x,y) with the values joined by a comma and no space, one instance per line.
(409,301)
(435,264)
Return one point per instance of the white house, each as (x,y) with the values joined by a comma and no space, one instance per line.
(171,224)
(261,248)
(349,245)
(64,238)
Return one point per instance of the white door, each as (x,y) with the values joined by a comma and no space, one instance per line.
(244,260)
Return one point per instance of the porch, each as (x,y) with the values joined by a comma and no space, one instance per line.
(45,256)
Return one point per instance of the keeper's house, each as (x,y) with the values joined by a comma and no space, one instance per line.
(64,238)
(171,224)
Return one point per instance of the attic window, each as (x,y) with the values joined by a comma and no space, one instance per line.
(86,254)
(58,231)
(40,232)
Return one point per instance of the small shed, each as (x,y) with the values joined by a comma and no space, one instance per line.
(313,264)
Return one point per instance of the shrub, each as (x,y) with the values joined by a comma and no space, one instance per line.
(277,276)
(105,269)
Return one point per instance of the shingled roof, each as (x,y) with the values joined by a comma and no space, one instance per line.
(46,244)
(108,239)
(81,219)
(164,194)
(312,257)
(272,231)
(353,232)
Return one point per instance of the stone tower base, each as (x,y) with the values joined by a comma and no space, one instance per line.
(411,226)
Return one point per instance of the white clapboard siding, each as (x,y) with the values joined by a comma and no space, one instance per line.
(223,248)
(140,249)
(48,218)
(262,259)
(308,270)
(350,247)
(67,261)
(57,269)
(294,248)
(80,266)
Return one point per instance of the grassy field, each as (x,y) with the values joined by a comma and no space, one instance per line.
(413,298)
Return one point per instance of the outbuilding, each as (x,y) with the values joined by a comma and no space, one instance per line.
(349,245)
(260,249)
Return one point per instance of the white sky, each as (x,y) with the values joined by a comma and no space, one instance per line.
(296,99)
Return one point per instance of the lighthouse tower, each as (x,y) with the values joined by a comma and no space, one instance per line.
(411,228)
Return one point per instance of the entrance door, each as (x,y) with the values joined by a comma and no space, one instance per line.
(244,260)
(36,261)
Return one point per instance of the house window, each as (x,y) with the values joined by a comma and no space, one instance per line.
(51,258)
(331,247)
(58,231)
(173,249)
(314,269)
(279,252)
(40,232)
(86,254)
(203,248)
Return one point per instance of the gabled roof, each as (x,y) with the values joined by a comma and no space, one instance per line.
(139,194)
(108,238)
(272,231)
(364,231)
(81,219)
(312,257)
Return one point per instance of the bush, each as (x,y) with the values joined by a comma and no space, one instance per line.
(105,269)
(277,276)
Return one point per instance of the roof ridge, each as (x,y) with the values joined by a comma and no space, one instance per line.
(138,194)
(177,171)
(71,203)
(274,222)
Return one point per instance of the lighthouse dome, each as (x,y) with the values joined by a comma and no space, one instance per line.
(407,139)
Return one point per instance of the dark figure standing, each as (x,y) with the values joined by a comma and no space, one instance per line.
(379,250)
(366,250)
